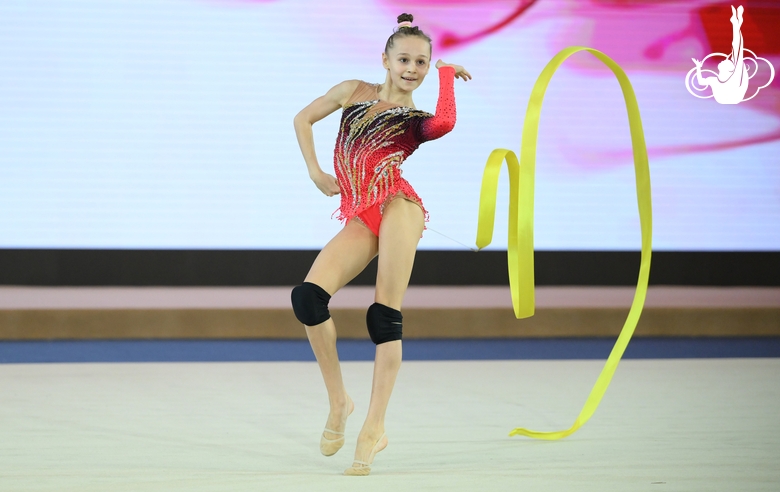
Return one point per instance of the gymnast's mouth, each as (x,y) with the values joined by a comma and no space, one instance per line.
(410,80)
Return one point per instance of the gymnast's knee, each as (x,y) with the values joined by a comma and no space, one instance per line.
(310,304)
(385,324)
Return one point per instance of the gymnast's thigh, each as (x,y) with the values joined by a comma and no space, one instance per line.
(399,234)
(344,257)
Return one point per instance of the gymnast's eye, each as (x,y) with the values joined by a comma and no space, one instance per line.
(404,60)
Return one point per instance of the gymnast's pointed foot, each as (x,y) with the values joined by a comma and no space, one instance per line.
(333,436)
(369,444)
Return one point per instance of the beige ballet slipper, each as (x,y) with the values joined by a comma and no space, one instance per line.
(329,447)
(363,468)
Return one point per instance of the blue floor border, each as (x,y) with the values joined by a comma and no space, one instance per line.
(19,352)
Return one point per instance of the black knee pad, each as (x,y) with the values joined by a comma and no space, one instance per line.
(385,324)
(310,304)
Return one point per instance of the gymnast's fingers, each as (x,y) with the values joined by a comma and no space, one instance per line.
(463,74)
(334,186)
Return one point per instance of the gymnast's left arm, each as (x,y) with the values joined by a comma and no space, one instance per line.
(444,120)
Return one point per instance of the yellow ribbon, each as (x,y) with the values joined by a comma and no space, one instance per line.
(520,249)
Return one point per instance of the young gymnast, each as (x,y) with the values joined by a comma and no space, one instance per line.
(380,127)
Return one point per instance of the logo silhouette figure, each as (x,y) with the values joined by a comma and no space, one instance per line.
(734,73)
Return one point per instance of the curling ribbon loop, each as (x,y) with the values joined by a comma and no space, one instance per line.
(520,248)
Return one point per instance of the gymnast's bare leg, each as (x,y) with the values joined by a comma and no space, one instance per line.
(399,233)
(341,260)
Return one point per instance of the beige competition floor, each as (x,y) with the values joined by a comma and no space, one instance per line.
(664,425)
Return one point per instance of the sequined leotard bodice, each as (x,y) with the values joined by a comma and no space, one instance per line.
(375,137)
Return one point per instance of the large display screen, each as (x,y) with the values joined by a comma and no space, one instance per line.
(169,123)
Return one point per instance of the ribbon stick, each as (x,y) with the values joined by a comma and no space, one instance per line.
(520,248)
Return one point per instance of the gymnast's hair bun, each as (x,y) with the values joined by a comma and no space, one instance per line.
(405,29)
(405,18)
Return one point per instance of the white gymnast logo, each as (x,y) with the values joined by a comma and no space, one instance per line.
(731,82)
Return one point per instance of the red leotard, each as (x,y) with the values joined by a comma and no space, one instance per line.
(375,137)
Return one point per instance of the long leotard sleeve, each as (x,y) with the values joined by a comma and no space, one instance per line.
(444,120)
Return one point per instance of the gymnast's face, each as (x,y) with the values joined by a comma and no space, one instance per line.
(408,62)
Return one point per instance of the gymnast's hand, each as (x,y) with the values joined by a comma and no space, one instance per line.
(326,183)
(460,72)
